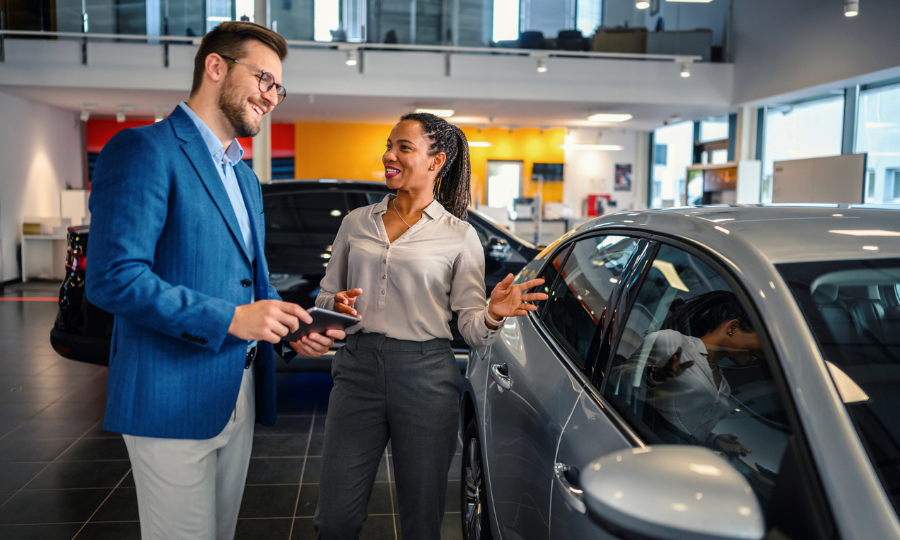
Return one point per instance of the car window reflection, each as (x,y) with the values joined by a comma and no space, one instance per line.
(689,369)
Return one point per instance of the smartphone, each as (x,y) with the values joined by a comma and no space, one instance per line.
(322,320)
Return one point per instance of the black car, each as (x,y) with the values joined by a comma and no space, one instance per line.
(302,220)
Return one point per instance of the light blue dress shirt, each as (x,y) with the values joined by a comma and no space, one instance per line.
(225,161)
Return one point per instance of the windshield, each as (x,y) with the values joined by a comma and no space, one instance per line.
(853,310)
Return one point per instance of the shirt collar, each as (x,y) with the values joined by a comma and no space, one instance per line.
(433,210)
(234,153)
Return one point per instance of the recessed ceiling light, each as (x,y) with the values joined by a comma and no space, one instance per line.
(443,113)
(480,144)
(608,117)
(609,147)
(642,4)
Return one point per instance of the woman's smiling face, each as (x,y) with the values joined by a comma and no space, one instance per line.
(406,160)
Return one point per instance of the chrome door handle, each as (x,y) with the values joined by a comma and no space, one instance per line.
(498,373)
(573,496)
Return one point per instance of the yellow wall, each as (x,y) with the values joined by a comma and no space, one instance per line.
(526,145)
(353,152)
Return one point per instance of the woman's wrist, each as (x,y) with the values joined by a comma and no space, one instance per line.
(493,316)
(493,320)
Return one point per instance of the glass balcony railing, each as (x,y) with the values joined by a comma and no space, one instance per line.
(554,25)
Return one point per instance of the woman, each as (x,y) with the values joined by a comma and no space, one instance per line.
(404,266)
(683,382)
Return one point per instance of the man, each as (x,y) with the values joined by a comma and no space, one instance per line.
(177,254)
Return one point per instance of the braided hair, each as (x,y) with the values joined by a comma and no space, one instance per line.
(451,188)
(705,313)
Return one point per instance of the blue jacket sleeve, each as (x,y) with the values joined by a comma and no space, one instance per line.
(129,204)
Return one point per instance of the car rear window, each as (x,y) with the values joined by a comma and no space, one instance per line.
(853,310)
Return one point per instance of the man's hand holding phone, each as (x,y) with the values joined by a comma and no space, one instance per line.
(271,320)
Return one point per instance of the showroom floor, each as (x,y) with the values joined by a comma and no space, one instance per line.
(63,477)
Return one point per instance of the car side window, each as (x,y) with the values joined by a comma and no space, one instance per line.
(579,297)
(689,369)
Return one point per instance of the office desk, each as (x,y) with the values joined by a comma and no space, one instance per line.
(43,256)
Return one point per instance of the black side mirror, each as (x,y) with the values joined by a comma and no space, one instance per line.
(497,249)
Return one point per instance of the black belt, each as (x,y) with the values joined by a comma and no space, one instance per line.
(251,355)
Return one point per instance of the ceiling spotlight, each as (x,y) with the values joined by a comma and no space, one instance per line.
(851,8)
(120,112)
(480,144)
(641,4)
(542,64)
(686,69)
(443,113)
(86,109)
(606,117)
(352,57)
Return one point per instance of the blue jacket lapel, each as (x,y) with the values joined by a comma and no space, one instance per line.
(198,154)
(246,182)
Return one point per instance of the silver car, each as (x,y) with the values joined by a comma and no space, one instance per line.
(712,372)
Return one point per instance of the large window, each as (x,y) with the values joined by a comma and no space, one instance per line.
(714,129)
(878,134)
(812,129)
(670,165)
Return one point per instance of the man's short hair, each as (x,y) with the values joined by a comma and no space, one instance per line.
(229,39)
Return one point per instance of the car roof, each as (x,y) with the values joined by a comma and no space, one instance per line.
(780,233)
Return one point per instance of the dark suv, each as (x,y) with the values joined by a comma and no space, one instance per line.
(302,220)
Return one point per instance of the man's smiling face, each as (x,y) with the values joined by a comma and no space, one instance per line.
(240,99)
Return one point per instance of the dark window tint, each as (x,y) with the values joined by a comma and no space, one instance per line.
(579,297)
(853,310)
(718,392)
(550,273)
(301,228)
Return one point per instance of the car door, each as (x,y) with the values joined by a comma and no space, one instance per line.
(590,431)
(542,361)
(527,399)
(745,420)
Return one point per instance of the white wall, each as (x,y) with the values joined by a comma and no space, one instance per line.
(40,152)
(593,171)
(783,46)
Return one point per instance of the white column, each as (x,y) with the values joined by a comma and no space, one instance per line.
(262,150)
(261,13)
(745,141)
(640,179)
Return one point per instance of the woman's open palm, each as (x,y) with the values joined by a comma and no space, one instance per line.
(511,300)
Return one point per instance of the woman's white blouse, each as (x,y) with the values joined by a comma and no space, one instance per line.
(411,287)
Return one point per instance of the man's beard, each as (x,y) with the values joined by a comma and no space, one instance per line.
(233,107)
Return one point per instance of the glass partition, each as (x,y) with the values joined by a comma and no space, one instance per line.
(806,130)
(530,24)
(878,134)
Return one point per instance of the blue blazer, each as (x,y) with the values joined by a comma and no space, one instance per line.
(167,258)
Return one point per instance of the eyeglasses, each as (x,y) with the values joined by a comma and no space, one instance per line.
(266,79)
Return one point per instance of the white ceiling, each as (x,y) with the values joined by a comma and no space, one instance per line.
(379,109)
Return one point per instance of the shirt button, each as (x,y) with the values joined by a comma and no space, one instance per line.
(384,261)
(382,276)
(382,292)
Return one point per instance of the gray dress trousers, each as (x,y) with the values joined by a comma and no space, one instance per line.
(389,389)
